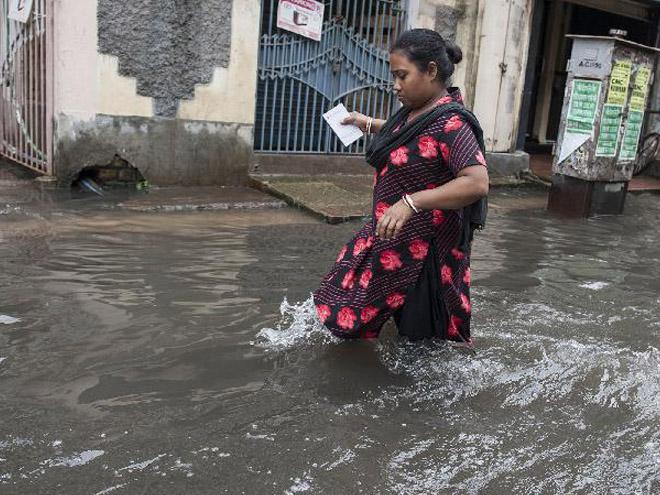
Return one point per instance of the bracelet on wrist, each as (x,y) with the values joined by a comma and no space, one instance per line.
(409,201)
(370,122)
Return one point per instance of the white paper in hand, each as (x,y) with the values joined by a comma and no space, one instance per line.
(348,134)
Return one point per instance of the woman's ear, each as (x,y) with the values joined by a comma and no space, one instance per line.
(432,70)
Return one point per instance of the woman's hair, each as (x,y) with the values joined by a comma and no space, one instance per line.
(423,46)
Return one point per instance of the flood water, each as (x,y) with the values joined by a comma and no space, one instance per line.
(177,353)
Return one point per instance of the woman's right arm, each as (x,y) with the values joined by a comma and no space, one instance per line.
(360,120)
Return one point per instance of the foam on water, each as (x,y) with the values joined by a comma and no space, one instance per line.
(299,325)
(578,381)
(75,460)
(8,320)
(111,489)
(139,466)
(594,285)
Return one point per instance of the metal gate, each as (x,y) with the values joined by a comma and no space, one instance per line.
(299,79)
(26,88)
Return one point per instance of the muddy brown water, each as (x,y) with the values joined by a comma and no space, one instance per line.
(177,353)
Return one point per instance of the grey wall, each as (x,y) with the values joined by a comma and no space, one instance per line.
(446,20)
(167,45)
(166,151)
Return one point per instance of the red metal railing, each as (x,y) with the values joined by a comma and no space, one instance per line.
(26,87)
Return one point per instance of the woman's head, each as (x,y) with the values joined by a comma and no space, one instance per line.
(422,63)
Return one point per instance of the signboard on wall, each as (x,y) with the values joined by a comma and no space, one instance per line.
(610,126)
(20,10)
(304,17)
(619,82)
(582,108)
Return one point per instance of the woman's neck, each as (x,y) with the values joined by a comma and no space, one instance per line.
(428,104)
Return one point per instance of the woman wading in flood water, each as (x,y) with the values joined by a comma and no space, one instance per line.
(412,260)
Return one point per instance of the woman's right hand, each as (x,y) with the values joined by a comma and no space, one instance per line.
(358,119)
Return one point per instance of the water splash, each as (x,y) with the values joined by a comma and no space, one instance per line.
(299,325)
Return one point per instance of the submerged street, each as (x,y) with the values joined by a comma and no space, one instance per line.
(155,353)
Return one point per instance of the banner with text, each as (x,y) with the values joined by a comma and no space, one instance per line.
(304,17)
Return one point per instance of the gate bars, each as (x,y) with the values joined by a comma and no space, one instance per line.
(26,87)
(299,79)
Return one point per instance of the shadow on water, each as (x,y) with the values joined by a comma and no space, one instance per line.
(172,353)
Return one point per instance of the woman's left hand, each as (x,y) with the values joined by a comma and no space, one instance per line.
(393,220)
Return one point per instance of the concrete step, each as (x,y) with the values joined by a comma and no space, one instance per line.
(335,198)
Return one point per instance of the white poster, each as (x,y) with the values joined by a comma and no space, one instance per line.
(19,10)
(304,17)
(570,144)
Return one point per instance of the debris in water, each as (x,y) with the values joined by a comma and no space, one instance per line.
(91,186)
(8,320)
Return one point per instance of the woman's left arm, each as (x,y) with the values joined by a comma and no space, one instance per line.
(470,185)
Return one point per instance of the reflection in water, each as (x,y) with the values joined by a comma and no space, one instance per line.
(169,351)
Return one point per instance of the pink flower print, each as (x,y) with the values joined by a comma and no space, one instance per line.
(428,147)
(395,300)
(438,217)
(446,274)
(445,151)
(346,318)
(465,303)
(369,313)
(341,254)
(467,278)
(323,310)
(381,208)
(360,245)
(453,124)
(390,260)
(349,280)
(480,158)
(418,249)
(458,254)
(399,156)
(452,330)
(365,278)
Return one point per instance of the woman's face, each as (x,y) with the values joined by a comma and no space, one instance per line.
(413,87)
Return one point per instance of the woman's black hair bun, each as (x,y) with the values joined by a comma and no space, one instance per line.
(454,53)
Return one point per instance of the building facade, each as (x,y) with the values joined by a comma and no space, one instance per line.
(188,92)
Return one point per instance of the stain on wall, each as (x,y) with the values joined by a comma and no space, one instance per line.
(166,151)
(169,46)
(447,19)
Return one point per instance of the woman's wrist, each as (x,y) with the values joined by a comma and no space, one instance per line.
(414,199)
(410,203)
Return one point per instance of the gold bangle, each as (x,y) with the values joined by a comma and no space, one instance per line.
(369,122)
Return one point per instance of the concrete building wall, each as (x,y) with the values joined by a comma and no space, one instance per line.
(170,87)
(494,37)
(458,21)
